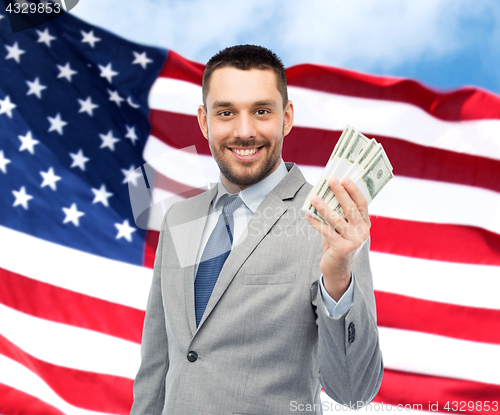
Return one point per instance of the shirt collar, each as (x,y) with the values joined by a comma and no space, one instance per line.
(254,195)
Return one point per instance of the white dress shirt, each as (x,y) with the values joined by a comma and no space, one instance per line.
(252,197)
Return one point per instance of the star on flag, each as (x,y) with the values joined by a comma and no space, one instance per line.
(57,124)
(45,37)
(89,38)
(131,134)
(14,52)
(35,88)
(115,97)
(107,72)
(101,195)
(73,215)
(141,59)
(49,179)
(79,160)
(28,142)
(125,230)
(66,72)
(87,106)
(6,106)
(131,175)
(3,162)
(22,198)
(108,141)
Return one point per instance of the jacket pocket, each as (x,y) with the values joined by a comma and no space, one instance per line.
(268,279)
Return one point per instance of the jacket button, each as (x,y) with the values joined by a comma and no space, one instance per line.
(192,356)
(351,333)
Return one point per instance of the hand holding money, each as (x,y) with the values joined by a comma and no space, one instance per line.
(357,157)
(339,211)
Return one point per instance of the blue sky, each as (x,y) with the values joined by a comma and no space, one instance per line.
(444,44)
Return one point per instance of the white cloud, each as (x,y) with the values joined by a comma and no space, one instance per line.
(383,32)
(363,34)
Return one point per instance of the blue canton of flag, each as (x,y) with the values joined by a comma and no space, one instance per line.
(73,124)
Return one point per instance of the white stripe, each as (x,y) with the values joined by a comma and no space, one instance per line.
(17,376)
(328,111)
(431,201)
(402,198)
(70,346)
(429,354)
(154,153)
(174,95)
(446,282)
(75,270)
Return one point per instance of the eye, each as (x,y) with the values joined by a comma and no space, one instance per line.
(225,113)
(262,112)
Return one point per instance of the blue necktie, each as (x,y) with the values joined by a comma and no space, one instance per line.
(215,254)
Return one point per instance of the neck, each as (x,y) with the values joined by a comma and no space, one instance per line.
(235,188)
(231,187)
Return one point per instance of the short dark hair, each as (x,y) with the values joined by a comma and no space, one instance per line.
(246,57)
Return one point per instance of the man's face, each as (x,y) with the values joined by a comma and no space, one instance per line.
(245,123)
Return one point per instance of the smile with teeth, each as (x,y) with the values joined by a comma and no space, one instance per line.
(247,152)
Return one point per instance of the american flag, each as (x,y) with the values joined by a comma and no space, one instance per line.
(73,288)
(75,271)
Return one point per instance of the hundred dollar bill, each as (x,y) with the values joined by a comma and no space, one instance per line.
(361,159)
(358,142)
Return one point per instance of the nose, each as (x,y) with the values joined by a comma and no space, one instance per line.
(244,127)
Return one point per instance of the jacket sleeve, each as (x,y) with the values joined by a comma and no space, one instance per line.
(149,384)
(350,360)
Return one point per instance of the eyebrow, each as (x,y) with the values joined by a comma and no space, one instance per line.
(269,102)
(218,104)
(224,104)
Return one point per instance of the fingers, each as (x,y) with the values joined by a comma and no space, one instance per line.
(329,235)
(344,199)
(336,221)
(351,199)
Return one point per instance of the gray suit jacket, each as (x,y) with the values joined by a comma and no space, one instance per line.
(265,341)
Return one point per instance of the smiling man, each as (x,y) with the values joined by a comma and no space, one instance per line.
(254,306)
(248,118)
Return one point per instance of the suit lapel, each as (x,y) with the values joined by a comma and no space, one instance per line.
(186,234)
(267,214)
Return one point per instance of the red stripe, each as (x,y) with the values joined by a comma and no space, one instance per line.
(408,159)
(177,67)
(151,243)
(451,320)
(68,307)
(87,390)
(436,241)
(462,104)
(409,388)
(16,402)
(459,105)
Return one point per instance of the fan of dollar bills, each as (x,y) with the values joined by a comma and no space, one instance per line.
(361,159)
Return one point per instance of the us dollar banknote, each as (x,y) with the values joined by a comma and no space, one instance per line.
(361,159)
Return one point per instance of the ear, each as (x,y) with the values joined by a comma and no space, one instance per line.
(202,121)
(288,118)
